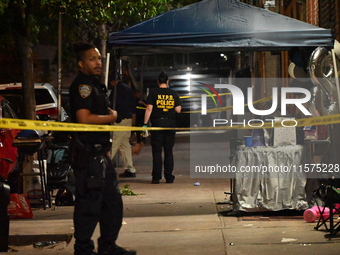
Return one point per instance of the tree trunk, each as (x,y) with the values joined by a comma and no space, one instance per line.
(28,81)
(22,30)
(101,44)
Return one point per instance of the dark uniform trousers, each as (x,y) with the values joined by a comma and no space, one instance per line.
(162,139)
(96,201)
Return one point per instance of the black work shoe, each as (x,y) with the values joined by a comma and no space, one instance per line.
(154,181)
(127,174)
(117,250)
(171,179)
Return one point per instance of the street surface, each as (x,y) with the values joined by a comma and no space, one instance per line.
(182,219)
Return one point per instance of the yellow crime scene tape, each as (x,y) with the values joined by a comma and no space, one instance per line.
(222,94)
(64,126)
(22,124)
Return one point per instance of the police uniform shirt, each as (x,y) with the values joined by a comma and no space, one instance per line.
(164,101)
(86,92)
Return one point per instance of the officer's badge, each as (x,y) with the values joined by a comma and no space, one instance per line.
(85,90)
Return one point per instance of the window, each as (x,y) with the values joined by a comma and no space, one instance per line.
(7,111)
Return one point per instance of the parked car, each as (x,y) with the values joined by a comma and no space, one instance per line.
(8,157)
(8,153)
(45,97)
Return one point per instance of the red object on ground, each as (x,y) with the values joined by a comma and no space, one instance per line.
(19,207)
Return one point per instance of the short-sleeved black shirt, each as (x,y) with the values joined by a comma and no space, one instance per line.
(86,92)
(125,102)
(164,101)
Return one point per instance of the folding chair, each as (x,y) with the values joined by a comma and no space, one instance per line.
(60,174)
(330,196)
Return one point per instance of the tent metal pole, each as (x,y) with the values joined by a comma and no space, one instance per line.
(336,76)
(62,10)
(107,70)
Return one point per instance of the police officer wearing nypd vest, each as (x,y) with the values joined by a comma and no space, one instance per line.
(162,105)
(97,196)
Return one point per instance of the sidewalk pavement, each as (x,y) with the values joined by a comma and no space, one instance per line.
(181,219)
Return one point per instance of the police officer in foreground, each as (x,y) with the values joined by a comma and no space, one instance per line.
(97,196)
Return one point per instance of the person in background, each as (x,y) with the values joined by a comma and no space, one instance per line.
(97,195)
(125,105)
(140,112)
(162,105)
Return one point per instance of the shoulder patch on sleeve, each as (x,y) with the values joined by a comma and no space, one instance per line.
(84,90)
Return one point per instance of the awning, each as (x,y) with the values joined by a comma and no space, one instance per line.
(215,25)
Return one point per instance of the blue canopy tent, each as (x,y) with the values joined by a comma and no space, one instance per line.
(215,25)
(219,26)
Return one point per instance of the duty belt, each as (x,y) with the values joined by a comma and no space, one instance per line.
(96,149)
